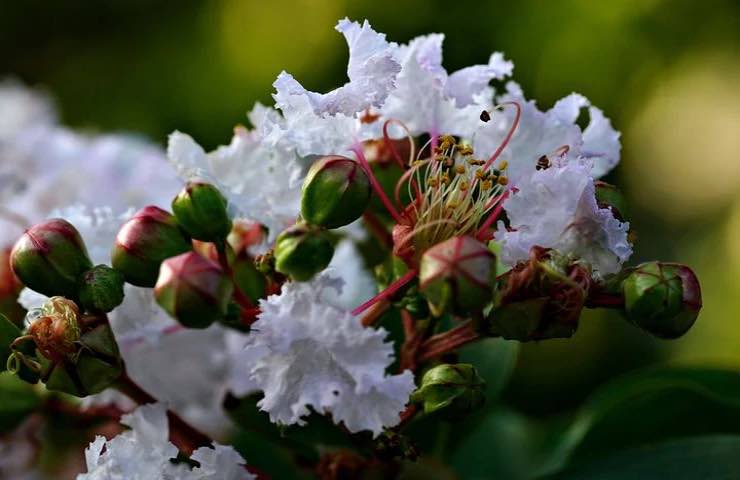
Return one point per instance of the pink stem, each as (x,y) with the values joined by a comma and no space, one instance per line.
(492,217)
(387,293)
(375,184)
(510,134)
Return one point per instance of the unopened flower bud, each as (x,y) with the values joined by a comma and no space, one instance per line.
(540,298)
(458,389)
(193,290)
(147,239)
(662,298)
(609,196)
(248,279)
(76,355)
(459,274)
(302,251)
(200,210)
(101,289)
(50,257)
(335,193)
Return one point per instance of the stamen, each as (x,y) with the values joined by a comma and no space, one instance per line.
(387,293)
(357,149)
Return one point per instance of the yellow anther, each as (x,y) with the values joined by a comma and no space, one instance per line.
(452,205)
(502,180)
(465,150)
(503,165)
(445,179)
(480,174)
(459,169)
(433,182)
(486,184)
(464,185)
(473,161)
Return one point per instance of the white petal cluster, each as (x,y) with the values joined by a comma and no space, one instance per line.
(45,166)
(428,100)
(549,133)
(261,181)
(556,208)
(145,453)
(309,355)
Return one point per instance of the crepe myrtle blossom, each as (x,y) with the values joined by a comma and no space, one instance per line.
(144,452)
(556,208)
(45,166)
(322,124)
(550,134)
(308,354)
(260,181)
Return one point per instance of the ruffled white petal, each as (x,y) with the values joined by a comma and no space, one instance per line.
(310,354)
(464,84)
(145,453)
(556,208)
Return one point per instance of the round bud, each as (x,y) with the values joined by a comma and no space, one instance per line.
(457,389)
(457,273)
(302,251)
(540,298)
(200,210)
(193,290)
(147,239)
(101,289)
(50,257)
(662,298)
(336,192)
(609,196)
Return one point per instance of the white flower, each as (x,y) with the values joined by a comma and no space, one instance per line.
(321,124)
(22,108)
(261,182)
(44,166)
(428,100)
(556,208)
(551,133)
(309,354)
(145,453)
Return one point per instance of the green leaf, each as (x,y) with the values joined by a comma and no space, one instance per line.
(715,457)
(495,359)
(648,407)
(17,400)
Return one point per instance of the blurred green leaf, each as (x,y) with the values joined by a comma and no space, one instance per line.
(17,400)
(648,407)
(495,359)
(706,457)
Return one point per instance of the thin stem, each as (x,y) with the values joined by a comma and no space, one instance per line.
(492,217)
(387,293)
(375,312)
(448,341)
(375,184)
(510,134)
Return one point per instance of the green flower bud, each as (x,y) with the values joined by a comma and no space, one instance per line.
(151,236)
(193,290)
(336,192)
(457,389)
(458,273)
(50,257)
(200,210)
(302,251)
(609,196)
(248,279)
(540,298)
(101,289)
(662,298)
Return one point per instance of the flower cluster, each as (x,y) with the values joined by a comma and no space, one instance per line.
(446,205)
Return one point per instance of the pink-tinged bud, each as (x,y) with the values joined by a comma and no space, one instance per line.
(151,236)
(662,298)
(50,257)
(336,192)
(458,273)
(193,290)
(540,298)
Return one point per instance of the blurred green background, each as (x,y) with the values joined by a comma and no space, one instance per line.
(666,72)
